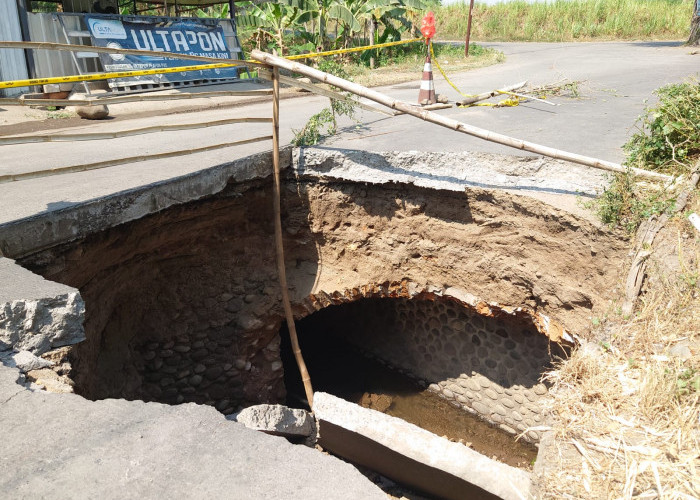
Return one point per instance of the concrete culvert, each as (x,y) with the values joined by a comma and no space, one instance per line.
(467,293)
(489,367)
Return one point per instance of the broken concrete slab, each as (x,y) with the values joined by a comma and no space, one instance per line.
(451,171)
(37,315)
(413,456)
(24,361)
(64,446)
(278,420)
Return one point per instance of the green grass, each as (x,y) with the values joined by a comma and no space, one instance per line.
(568,20)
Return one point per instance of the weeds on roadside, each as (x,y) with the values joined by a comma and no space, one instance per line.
(625,203)
(324,123)
(668,139)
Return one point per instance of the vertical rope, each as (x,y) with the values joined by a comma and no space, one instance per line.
(278,239)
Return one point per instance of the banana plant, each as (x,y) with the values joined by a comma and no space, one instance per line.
(272,19)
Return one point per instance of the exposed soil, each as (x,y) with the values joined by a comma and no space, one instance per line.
(207,269)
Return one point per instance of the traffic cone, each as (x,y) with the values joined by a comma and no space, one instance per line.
(427,88)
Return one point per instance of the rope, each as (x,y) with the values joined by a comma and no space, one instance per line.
(352,49)
(122,74)
(511,101)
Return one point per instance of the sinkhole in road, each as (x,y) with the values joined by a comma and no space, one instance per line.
(466,293)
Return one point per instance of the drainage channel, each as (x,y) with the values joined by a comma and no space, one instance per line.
(341,369)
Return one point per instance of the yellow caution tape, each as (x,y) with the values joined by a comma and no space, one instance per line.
(124,74)
(104,76)
(512,101)
(434,59)
(353,49)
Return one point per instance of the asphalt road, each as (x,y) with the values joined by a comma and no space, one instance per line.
(615,80)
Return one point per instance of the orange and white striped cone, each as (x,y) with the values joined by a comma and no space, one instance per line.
(427,88)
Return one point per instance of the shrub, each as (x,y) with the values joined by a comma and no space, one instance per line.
(669,133)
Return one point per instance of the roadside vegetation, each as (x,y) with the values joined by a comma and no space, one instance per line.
(568,20)
(629,402)
(667,140)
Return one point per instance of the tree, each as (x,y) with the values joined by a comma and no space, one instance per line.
(694,38)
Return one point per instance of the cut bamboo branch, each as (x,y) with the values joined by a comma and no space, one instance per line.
(281,269)
(488,95)
(121,161)
(449,122)
(99,101)
(428,107)
(96,136)
(316,89)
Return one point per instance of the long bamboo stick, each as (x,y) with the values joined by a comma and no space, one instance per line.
(316,89)
(96,136)
(99,101)
(278,239)
(448,122)
(488,95)
(121,161)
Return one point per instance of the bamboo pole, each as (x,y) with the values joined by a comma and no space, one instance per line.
(99,101)
(488,95)
(449,122)
(278,239)
(97,136)
(122,161)
(316,89)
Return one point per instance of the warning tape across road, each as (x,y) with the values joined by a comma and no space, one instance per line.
(104,76)
(351,49)
(123,74)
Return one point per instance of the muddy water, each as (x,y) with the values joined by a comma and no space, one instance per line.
(340,370)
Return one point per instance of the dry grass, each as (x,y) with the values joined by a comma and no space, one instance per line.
(629,405)
(410,69)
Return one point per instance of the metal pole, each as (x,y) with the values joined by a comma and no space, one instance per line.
(469,29)
(22,9)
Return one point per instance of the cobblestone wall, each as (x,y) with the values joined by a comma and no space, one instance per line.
(487,366)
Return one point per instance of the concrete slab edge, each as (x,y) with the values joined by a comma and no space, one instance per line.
(418,445)
(449,170)
(21,237)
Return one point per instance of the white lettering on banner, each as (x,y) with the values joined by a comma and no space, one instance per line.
(217,40)
(204,41)
(210,44)
(154,45)
(180,42)
(164,38)
(136,40)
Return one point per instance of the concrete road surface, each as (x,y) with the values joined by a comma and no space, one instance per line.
(615,80)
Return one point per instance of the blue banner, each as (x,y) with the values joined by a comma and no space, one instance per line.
(182,36)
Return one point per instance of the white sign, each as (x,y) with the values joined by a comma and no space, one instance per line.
(107,28)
